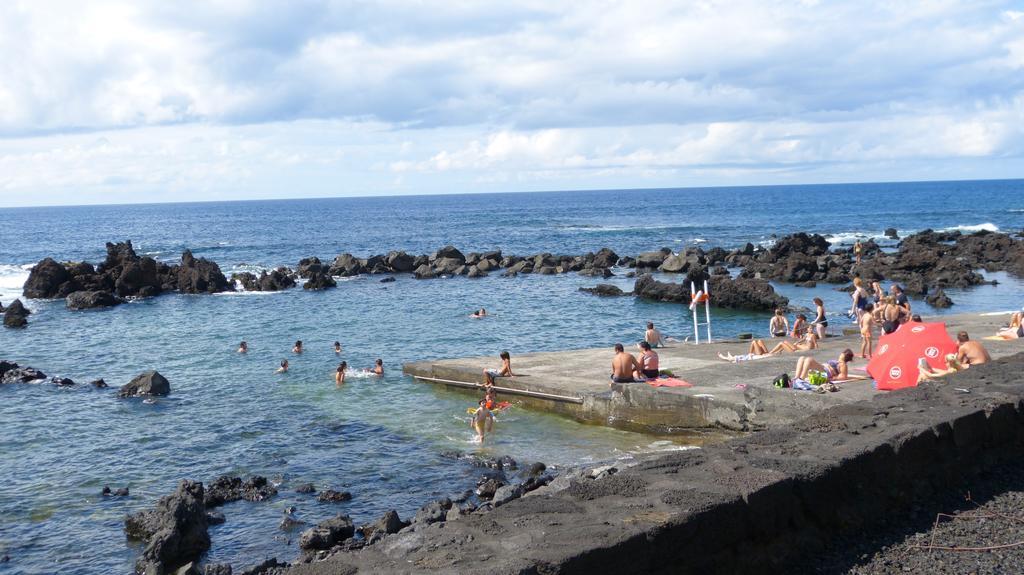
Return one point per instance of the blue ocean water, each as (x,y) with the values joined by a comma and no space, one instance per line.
(381,439)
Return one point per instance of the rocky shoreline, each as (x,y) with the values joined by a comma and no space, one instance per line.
(924,263)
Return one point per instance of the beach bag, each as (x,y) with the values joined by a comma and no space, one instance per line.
(817,378)
(782,381)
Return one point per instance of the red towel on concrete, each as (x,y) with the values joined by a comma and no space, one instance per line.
(669,382)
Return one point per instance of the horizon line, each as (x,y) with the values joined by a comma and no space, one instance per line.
(449,194)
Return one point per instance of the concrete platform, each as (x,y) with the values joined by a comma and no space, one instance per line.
(732,396)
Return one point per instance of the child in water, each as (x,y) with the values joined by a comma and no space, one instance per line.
(339,375)
(284,366)
(482,421)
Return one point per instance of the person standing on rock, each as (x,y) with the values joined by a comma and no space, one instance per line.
(857,249)
(623,366)
(339,374)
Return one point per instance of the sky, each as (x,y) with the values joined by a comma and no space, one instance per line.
(152,101)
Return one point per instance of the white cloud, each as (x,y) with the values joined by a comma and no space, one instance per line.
(469,94)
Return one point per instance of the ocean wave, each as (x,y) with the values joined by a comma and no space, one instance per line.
(985,227)
(606,229)
(12,280)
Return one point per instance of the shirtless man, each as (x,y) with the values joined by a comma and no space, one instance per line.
(504,371)
(653,336)
(339,375)
(971,352)
(284,366)
(623,366)
(378,367)
(482,421)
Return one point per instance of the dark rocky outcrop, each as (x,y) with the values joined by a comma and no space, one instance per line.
(939,299)
(604,290)
(12,373)
(739,293)
(433,512)
(604,258)
(99,384)
(305,488)
(226,489)
(332,496)
(892,234)
(91,299)
(319,281)
(149,383)
(200,275)
(175,531)
(275,280)
(388,524)
(62,381)
(16,314)
(45,280)
(327,533)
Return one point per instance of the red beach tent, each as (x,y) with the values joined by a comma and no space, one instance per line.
(894,363)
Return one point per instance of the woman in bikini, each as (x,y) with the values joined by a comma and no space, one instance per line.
(835,370)
(820,322)
(810,341)
(1016,330)
(779,325)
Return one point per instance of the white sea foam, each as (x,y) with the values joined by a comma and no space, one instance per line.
(985,227)
(12,280)
(596,229)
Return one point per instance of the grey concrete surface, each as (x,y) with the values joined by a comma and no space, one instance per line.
(732,396)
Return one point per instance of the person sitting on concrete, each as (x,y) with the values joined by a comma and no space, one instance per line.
(971,352)
(799,326)
(653,336)
(623,366)
(834,370)
(504,371)
(648,362)
(778,326)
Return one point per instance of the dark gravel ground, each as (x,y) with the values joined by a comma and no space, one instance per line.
(988,512)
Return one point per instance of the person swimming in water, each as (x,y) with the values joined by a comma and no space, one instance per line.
(378,367)
(243,347)
(482,421)
(339,374)
(297,348)
(284,366)
(479,313)
(337,347)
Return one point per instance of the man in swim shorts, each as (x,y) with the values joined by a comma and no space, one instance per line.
(504,371)
(482,421)
(971,352)
(653,336)
(623,366)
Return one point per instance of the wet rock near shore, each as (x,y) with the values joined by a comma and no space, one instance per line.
(939,299)
(604,290)
(119,492)
(332,496)
(327,534)
(175,531)
(16,315)
(91,300)
(11,373)
(149,383)
(388,524)
(275,280)
(226,489)
(319,281)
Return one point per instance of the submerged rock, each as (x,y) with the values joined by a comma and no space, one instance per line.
(91,299)
(176,531)
(332,496)
(23,375)
(604,290)
(16,315)
(148,383)
(226,489)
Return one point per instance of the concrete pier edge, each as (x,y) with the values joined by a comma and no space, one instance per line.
(750,505)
